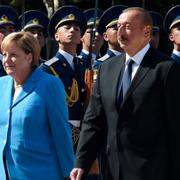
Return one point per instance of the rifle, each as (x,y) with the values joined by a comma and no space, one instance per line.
(23,17)
(89,80)
(89,71)
(112,4)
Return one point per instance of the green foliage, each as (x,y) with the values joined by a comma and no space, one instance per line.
(15,3)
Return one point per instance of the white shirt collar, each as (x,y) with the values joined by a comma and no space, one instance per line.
(138,57)
(68,57)
(176,52)
(85,52)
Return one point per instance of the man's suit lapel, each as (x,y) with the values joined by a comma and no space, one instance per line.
(140,74)
(116,72)
(28,86)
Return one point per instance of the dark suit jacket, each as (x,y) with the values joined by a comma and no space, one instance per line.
(143,134)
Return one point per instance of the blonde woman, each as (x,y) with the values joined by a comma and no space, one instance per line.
(35,137)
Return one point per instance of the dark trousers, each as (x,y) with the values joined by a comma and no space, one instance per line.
(5,167)
(103,163)
(92,177)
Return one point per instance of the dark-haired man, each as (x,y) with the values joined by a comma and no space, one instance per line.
(135,108)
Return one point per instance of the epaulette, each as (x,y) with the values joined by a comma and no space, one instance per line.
(103,58)
(51,61)
(42,61)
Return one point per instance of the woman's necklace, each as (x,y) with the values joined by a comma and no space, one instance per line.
(17,86)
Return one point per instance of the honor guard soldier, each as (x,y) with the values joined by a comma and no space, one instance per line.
(97,39)
(172,26)
(36,22)
(67,25)
(108,28)
(8,21)
(156,29)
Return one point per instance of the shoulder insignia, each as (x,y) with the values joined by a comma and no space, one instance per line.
(103,58)
(51,61)
(42,60)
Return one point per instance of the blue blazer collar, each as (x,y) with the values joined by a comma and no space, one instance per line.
(29,85)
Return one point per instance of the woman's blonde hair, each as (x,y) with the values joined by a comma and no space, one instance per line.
(25,41)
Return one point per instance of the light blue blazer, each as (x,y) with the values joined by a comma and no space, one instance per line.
(35,136)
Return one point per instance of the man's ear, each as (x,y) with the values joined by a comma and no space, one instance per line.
(82,39)
(56,37)
(105,36)
(171,38)
(147,31)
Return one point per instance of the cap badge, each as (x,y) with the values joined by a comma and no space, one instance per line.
(4,18)
(71,16)
(35,21)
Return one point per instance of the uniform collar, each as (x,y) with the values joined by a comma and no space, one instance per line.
(117,53)
(176,52)
(67,56)
(94,56)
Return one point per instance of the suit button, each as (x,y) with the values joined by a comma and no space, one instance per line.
(64,64)
(82,90)
(7,125)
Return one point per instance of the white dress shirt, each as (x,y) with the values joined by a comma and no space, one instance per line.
(68,57)
(137,58)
